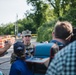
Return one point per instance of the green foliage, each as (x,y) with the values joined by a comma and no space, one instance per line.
(1,30)
(26,23)
(8,29)
(60,6)
(70,16)
(45,31)
(42,12)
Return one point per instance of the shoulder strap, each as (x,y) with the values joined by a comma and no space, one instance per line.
(55,48)
(60,45)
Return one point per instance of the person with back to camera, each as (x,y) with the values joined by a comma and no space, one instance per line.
(19,66)
(61,36)
(64,62)
(26,39)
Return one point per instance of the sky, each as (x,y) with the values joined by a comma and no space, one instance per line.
(9,9)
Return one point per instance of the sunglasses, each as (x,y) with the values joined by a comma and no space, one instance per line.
(28,36)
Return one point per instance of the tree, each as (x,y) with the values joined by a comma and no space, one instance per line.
(42,12)
(60,6)
(9,29)
(26,23)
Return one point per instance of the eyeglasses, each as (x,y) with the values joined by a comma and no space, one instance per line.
(28,36)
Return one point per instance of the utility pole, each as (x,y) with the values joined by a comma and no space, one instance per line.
(16,26)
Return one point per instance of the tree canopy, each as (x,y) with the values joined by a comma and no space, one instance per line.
(45,14)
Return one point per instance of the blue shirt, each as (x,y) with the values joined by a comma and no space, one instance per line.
(64,62)
(57,42)
(19,67)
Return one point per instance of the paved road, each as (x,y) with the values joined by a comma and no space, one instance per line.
(5,60)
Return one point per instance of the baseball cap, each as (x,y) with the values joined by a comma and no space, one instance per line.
(19,46)
(27,32)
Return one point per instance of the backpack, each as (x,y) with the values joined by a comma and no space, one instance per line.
(55,48)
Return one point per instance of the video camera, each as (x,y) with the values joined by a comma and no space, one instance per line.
(74,35)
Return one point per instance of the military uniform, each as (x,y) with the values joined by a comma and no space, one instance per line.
(29,48)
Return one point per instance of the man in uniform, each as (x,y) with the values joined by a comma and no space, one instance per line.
(26,36)
(26,39)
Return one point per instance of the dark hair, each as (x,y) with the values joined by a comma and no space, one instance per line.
(19,50)
(63,29)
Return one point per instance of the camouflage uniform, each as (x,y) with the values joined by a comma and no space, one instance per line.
(29,49)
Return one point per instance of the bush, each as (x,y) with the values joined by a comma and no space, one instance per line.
(44,32)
